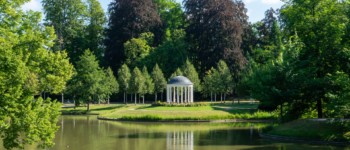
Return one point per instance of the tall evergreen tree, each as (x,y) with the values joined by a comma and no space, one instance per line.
(159,81)
(190,72)
(226,81)
(149,85)
(128,19)
(215,31)
(178,72)
(110,83)
(137,82)
(124,76)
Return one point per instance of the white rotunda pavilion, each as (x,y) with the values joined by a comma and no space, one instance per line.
(180,90)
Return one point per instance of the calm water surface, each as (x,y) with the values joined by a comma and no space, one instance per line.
(88,133)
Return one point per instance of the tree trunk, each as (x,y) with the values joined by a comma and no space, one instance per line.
(108,100)
(211,96)
(161,96)
(155,98)
(135,98)
(143,99)
(221,97)
(88,105)
(62,98)
(224,97)
(215,97)
(319,108)
(124,98)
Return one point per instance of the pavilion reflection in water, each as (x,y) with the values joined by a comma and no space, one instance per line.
(179,140)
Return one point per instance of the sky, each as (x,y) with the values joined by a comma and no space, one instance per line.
(256,8)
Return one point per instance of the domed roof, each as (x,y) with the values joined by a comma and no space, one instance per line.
(180,80)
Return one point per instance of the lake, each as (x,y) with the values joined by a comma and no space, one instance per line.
(89,133)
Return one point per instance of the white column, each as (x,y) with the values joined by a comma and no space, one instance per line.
(173,89)
(168,94)
(177,94)
(186,94)
(191,94)
(182,94)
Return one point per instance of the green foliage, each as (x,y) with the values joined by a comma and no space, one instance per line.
(190,72)
(178,72)
(137,49)
(68,19)
(172,17)
(137,82)
(108,85)
(124,76)
(95,29)
(149,85)
(321,28)
(158,79)
(27,67)
(87,82)
(172,53)
(225,83)
(139,16)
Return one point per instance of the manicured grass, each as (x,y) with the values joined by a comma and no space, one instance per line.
(208,112)
(95,109)
(313,129)
(147,112)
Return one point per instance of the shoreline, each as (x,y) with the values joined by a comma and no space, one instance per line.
(300,140)
(193,120)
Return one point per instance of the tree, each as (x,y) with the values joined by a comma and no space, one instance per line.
(128,19)
(137,82)
(137,49)
(124,76)
(110,83)
(68,19)
(88,77)
(190,72)
(172,53)
(172,17)
(95,29)
(26,118)
(226,81)
(215,31)
(209,83)
(178,72)
(321,28)
(159,81)
(149,85)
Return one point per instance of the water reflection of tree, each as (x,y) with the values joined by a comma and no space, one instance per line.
(179,140)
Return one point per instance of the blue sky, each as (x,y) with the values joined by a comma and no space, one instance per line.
(256,8)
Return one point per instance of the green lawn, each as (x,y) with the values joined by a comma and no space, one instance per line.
(147,112)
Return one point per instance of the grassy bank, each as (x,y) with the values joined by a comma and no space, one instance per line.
(171,113)
(314,130)
(147,112)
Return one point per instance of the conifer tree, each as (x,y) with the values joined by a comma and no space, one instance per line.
(190,72)
(159,81)
(124,76)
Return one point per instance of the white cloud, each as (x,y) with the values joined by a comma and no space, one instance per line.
(248,1)
(271,2)
(32,5)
